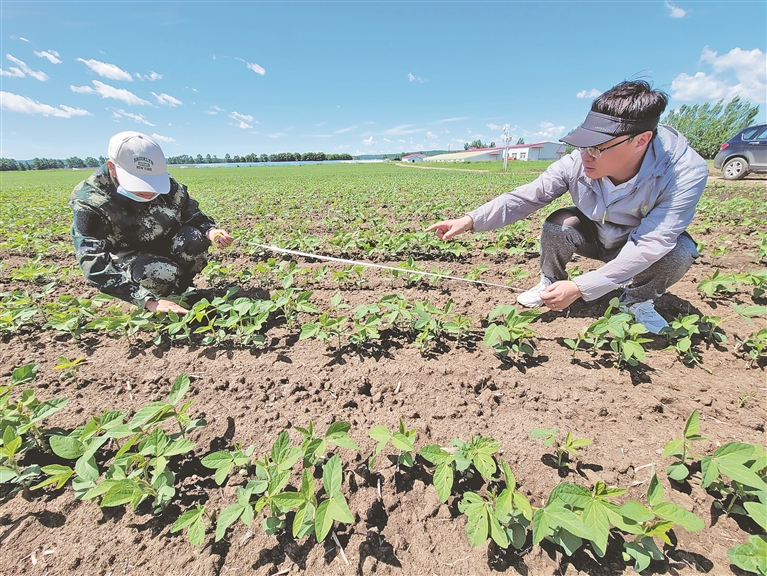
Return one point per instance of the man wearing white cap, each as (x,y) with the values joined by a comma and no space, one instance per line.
(138,235)
(634,186)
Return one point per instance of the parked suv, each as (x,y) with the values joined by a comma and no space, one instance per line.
(743,153)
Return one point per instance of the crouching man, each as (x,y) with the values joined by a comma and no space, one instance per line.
(137,233)
(634,186)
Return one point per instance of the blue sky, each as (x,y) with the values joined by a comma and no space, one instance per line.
(356,77)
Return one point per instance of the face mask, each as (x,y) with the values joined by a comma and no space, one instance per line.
(123,192)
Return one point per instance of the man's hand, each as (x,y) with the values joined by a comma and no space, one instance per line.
(561,294)
(163,305)
(446,229)
(219,237)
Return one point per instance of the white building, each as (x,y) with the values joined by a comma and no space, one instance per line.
(413,158)
(535,151)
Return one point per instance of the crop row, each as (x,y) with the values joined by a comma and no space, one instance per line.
(116,463)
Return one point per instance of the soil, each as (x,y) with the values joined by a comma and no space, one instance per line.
(457,390)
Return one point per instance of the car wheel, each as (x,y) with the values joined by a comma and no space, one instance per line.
(735,169)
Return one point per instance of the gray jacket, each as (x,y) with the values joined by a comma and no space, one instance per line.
(645,219)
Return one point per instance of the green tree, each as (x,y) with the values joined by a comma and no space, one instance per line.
(706,127)
(521,141)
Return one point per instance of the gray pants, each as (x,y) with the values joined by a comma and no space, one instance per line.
(568,231)
(169,267)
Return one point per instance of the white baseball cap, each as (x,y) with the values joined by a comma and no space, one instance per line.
(140,163)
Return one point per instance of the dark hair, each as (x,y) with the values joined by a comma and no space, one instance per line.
(633,100)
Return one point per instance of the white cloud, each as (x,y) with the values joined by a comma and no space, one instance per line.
(413,78)
(459,118)
(162,138)
(344,130)
(593,93)
(51,55)
(119,113)
(369,141)
(431,136)
(244,125)
(548,131)
(26,70)
(675,11)
(321,124)
(152,76)
(387,140)
(242,118)
(106,70)
(166,99)
(277,135)
(107,91)
(23,39)
(493,126)
(214,110)
(403,129)
(13,72)
(738,73)
(253,66)
(16,103)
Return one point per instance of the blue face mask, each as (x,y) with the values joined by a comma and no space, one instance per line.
(128,194)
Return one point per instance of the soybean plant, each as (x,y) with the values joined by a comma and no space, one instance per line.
(569,445)
(680,448)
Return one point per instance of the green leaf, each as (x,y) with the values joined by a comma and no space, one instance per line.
(569,542)
(66,447)
(679,515)
(87,469)
(596,521)
(149,414)
(497,532)
(288,499)
(709,472)
(343,441)
(196,533)
(477,526)
(57,474)
(756,510)
(187,518)
(443,480)
(337,427)
(402,442)
(332,475)
(751,557)
(742,474)
(323,521)
(338,509)
(654,491)
(677,471)
(227,517)
(24,374)
(635,511)
(692,425)
(217,459)
(434,453)
(380,434)
(44,410)
(673,448)
(120,493)
(179,388)
(485,465)
(571,494)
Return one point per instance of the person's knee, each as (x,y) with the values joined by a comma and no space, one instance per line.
(158,275)
(189,242)
(564,217)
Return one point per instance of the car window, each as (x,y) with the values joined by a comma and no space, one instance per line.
(763,135)
(749,134)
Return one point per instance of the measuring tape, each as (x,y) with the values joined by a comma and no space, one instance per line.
(381,266)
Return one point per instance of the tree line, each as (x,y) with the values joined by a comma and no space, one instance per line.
(10,164)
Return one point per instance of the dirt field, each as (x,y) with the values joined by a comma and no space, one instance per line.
(249,395)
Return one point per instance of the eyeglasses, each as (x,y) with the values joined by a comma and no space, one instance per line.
(595,152)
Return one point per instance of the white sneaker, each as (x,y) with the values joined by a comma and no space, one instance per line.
(532,298)
(645,314)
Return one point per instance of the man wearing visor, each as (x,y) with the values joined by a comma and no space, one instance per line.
(634,186)
(138,235)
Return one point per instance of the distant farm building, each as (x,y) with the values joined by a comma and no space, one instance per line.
(413,158)
(536,151)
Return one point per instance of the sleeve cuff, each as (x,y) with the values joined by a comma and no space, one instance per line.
(594,284)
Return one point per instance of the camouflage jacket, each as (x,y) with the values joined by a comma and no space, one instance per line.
(107,226)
